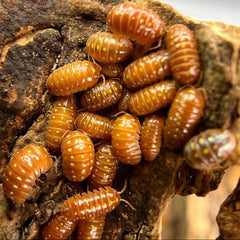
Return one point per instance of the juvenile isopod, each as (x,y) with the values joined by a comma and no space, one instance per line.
(146,70)
(109,48)
(62,119)
(209,149)
(183,116)
(58,227)
(105,167)
(184,58)
(138,23)
(91,204)
(151,136)
(91,228)
(123,101)
(112,70)
(125,139)
(152,98)
(101,96)
(23,169)
(94,125)
(78,155)
(73,77)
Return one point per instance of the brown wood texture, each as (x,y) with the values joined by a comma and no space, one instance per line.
(37,36)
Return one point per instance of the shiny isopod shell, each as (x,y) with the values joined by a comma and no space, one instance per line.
(209,149)
(94,125)
(138,23)
(73,77)
(101,96)
(62,119)
(58,227)
(109,48)
(23,169)
(183,52)
(151,136)
(146,70)
(183,116)
(91,204)
(78,155)
(123,101)
(125,139)
(152,98)
(105,167)
(91,228)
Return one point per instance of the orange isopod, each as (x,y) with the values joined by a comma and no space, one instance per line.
(125,139)
(94,125)
(91,228)
(152,98)
(58,227)
(78,155)
(146,70)
(123,101)
(112,70)
(91,204)
(61,120)
(105,167)
(184,58)
(101,96)
(183,116)
(73,77)
(23,169)
(151,136)
(109,48)
(138,23)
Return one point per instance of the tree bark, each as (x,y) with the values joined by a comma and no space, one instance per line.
(38,36)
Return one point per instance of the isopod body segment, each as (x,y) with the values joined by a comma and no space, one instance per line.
(58,227)
(73,77)
(91,204)
(109,48)
(23,169)
(62,119)
(78,155)
(112,70)
(91,228)
(152,98)
(101,96)
(105,167)
(146,70)
(138,23)
(151,136)
(94,125)
(209,149)
(125,139)
(183,116)
(183,52)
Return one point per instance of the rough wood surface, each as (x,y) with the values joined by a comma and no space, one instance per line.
(38,35)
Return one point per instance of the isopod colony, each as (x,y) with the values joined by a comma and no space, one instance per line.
(152,100)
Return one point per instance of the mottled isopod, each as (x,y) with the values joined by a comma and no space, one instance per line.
(138,23)
(125,139)
(183,116)
(184,58)
(23,169)
(73,77)
(58,227)
(112,70)
(94,125)
(109,48)
(105,167)
(101,96)
(78,155)
(209,149)
(61,120)
(152,98)
(151,136)
(146,70)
